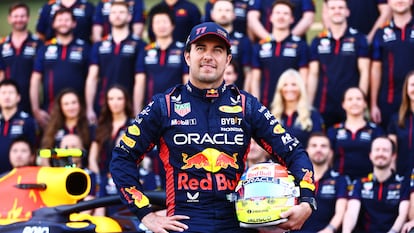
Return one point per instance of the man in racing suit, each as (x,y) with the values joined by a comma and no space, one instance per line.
(203,131)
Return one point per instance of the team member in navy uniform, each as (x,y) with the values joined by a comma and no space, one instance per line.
(186,14)
(240,10)
(13,122)
(223,13)
(61,63)
(203,130)
(258,17)
(161,64)
(365,16)
(339,60)
(331,188)
(81,9)
(291,108)
(381,198)
(113,61)
(101,25)
(18,51)
(351,139)
(392,59)
(401,128)
(277,53)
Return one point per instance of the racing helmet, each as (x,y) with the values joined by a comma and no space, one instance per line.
(264,191)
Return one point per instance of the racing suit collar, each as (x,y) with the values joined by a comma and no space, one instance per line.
(210,93)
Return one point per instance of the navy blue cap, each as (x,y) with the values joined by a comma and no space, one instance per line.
(208,28)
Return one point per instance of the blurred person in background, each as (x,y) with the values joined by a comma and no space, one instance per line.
(278,52)
(102,27)
(18,52)
(13,122)
(379,201)
(351,139)
(401,128)
(332,192)
(291,108)
(112,61)
(186,15)
(68,116)
(260,26)
(22,153)
(160,65)
(223,13)
(339,59)
(241,8)
(82,11)
(365,16)
(115,116)
(392,59)
(61,63)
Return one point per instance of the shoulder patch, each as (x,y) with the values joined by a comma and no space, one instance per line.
(150,46)
(51,41)
(324,33)
(179,44)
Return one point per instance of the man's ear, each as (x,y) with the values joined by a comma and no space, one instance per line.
(187,57)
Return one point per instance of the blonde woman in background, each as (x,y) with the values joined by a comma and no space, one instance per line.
(290,106)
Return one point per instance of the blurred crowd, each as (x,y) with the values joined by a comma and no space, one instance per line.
(348,95)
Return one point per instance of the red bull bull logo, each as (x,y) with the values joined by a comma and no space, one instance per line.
(139,199)
(307,180)
(210,160)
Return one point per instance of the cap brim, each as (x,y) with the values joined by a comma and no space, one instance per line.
(226,42)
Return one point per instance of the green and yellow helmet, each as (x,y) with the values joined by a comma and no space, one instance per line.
(265,190)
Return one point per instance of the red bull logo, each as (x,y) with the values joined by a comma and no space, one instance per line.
(307,180)
(210,160)
(222,182)
(139,199)
(212,93)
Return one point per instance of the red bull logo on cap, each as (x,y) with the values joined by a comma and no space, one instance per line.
(210,160)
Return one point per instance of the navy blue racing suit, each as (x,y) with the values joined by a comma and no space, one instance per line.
(203,137)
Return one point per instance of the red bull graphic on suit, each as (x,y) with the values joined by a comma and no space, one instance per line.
(211,160)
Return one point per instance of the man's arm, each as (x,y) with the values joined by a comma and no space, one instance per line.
(1,75)
(312,80)
(139,92)
(97,31)
(304,23)
(402,216)
(255,82)
(351,215)
(363,67)
(375,79)
(40,115)
(337,219)
(255,26)
(90,91)
(385,14)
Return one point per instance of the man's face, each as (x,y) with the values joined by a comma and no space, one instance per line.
(319,150)
(64,24)
(400,6)
(20,155)
(119,16)
(381,154)
(9,98)
(281,16)
(162,26)
(230,75)
(337,11)
(18,19)
(223,13)
(207,60)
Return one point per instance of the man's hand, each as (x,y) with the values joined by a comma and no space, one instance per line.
(159,223)
(42,117)
(91,115)
(296,216)
(407,227)
(375,114)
